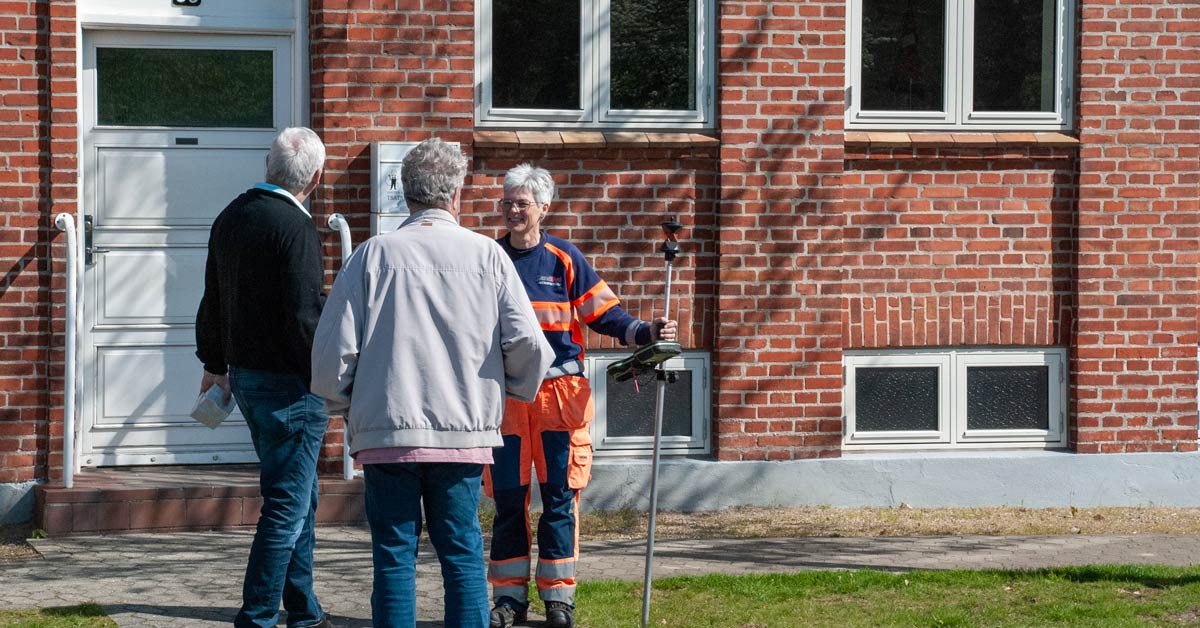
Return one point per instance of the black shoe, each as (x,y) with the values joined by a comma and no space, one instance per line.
(324,623)
(560,615)
(504,615)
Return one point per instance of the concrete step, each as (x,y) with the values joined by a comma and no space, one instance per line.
(165,498)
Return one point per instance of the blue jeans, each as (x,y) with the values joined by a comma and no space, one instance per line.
(287,425)
(450,494)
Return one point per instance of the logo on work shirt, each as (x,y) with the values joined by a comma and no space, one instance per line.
(549,280)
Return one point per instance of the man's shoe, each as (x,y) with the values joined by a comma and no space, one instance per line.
(504,615)
(560,615)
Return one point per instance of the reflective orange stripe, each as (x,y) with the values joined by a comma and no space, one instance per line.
(508,582)
(566,260)
(547,583)
(551,306)
(595,302)
(553,316)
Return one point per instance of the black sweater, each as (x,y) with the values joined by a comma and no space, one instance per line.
(262,287)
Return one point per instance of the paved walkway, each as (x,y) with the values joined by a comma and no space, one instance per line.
(194,578)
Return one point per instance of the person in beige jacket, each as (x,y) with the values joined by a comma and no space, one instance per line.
(425,332)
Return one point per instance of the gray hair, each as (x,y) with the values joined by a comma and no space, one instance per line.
(431,172)
(536,181)
(296,155)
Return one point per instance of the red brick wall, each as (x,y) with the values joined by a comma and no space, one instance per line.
(778,354)
(37,181)
(402,72)
(1139,105)
(795,248)
(958,246)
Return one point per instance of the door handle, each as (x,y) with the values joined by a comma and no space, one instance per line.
(90,249)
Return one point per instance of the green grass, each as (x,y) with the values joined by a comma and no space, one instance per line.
(1101,597)
(82,616)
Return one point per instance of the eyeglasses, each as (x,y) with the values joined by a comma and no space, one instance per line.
(521,205)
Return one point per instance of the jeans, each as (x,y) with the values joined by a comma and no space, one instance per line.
(287,425)
(450,494)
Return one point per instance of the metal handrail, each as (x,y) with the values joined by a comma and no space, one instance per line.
(66,223)
(338,222)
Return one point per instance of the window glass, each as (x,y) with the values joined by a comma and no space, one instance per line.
(535,54)
(1014,55)
(630,410)
(653,54)
(1008,397)
(896,399)
(185,87)
(903,54)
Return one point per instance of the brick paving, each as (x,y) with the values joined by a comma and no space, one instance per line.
(173,580)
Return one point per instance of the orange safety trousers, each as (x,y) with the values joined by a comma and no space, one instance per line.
(551,437)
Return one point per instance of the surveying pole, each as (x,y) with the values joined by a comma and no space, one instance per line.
(654,355)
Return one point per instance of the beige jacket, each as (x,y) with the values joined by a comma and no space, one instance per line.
(424,332)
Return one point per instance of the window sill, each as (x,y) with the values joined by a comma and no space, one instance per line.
(591,139)
(936,139)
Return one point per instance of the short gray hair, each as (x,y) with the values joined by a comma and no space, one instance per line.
(296,155)
(536,181)
(431,172)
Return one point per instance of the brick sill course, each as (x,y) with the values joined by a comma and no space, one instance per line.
(591,139)
(932,139)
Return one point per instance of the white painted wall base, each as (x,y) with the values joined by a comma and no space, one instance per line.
(1036,479)
(16,502)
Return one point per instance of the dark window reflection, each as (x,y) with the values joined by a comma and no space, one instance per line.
(1008,397)
(535,54)
(1014,55)
(896,399)
(185,87)
(629,412)
(653,54)
(903,55)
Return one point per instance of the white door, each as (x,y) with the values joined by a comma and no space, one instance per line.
(175,125)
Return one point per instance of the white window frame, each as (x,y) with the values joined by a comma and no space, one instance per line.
(697,362)
(957,93)
(952,429)
(942,362)
(594,79)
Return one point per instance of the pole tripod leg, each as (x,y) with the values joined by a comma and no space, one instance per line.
(661,374)
(658,414)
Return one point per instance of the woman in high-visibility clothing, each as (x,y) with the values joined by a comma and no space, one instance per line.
(551,434)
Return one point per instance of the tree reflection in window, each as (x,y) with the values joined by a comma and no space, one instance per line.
(185,87)
(653,54)
(535,54)
(903,55)
(1014,55)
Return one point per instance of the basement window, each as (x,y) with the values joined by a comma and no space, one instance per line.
(624,423)
(947,398)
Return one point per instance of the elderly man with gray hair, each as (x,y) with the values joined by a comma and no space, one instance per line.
(426,330)
(262,297)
